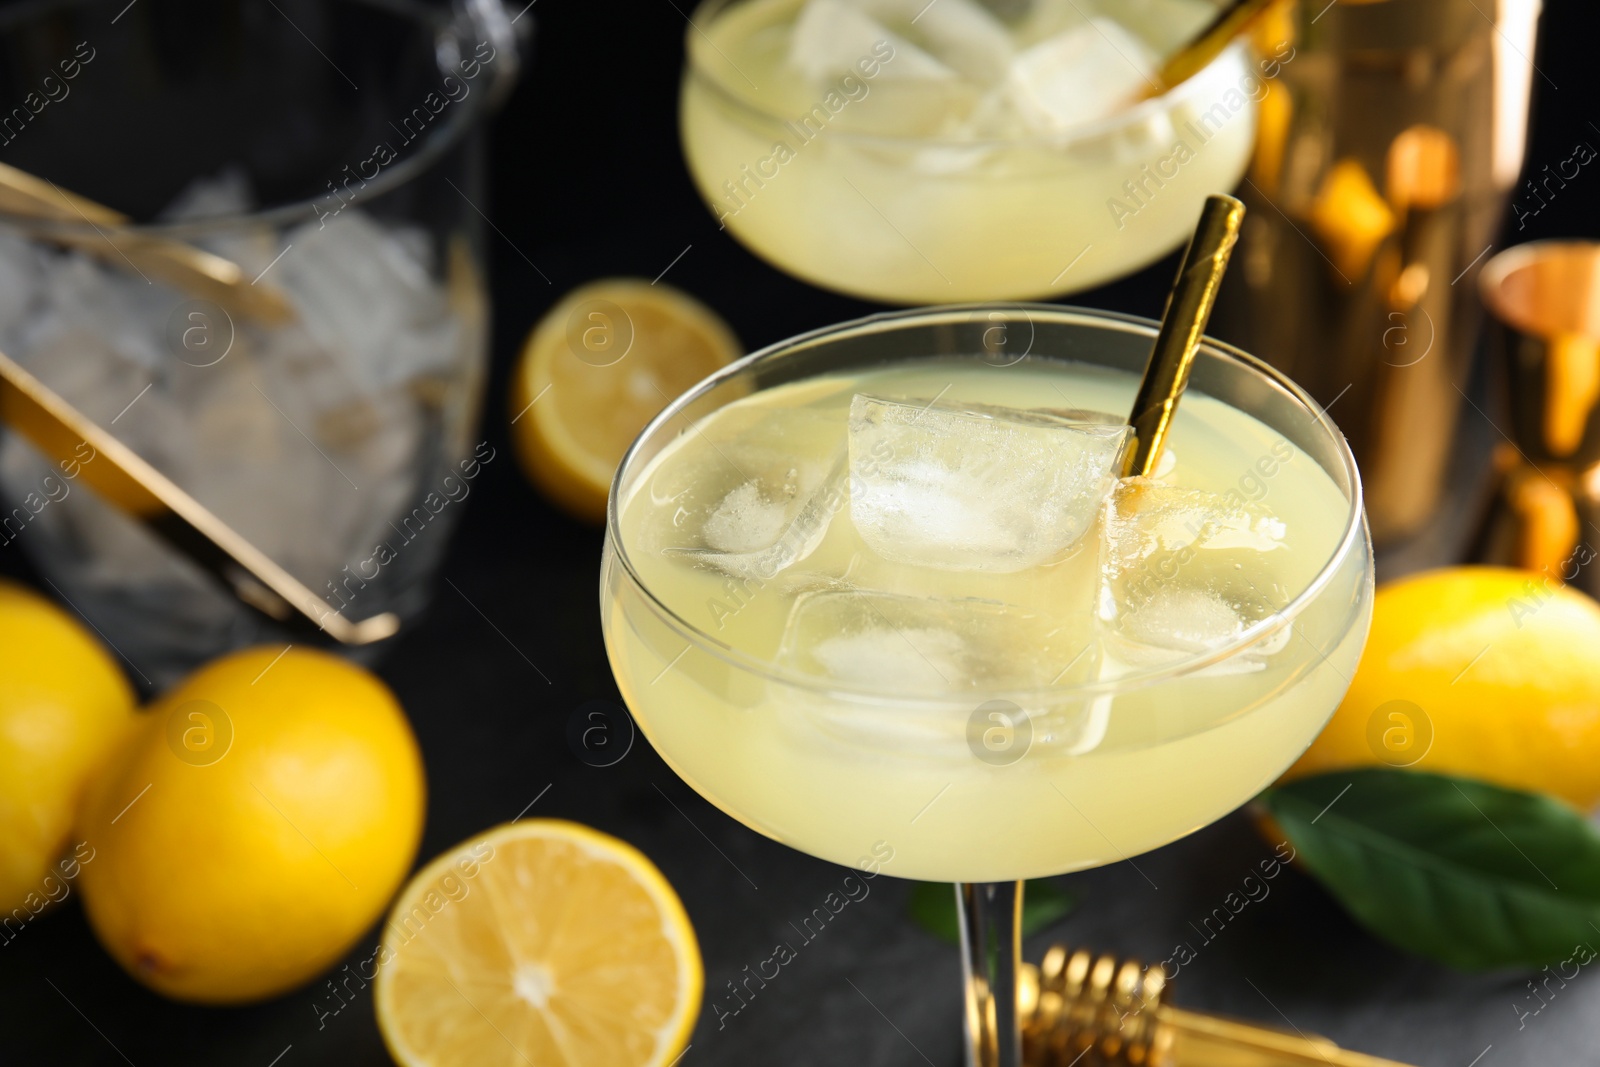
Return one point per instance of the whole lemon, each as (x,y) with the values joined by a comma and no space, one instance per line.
(64,705)
(1482,672)
(258,821)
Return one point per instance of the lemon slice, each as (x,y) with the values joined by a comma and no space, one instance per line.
(599,365)
(539,942)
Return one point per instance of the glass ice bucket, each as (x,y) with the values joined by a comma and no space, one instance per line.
(330,149)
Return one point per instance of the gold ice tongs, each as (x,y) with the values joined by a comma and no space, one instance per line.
(131,485)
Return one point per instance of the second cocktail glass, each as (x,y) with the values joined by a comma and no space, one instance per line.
(959,716)
(851,158)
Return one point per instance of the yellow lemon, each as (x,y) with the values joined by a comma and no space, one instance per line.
(64,705)
(542,942)
(255,824)
(1482,672)
(599,365)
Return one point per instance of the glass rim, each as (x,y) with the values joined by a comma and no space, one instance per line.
(488,15)
(1351,537)
(695,44)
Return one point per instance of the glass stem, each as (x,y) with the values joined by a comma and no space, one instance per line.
(991,949)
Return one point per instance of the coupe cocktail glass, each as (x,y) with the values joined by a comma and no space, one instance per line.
(977,692)
(832,182)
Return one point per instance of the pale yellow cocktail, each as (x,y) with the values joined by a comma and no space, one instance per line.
(1008,161)
(909,607)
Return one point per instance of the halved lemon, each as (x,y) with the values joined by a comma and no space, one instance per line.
(538,942)
(599,365)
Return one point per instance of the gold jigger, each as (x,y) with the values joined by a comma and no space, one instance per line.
(1080,1010)
(1544,301)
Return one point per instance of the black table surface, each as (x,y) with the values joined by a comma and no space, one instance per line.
(588,181)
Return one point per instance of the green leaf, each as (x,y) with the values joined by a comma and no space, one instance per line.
(932,905)
(1466,873)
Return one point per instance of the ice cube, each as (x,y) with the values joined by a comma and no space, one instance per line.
(355,474)
(972,486)
(919,644)
(366,297)
(19,271)
(831,37)
(1047,18)
(963,34)
(1079,76)
(920,659)
(748,519)
(1166,24)
(229,192)
(1184,571)
(954,651)
(758,496)
(126,312)
(226,193)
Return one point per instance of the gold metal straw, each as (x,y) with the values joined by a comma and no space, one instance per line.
(1182,326)
(1232,20)
(125,481)
(186,268)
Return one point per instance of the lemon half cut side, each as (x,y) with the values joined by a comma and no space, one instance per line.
(539,942)
(599,366)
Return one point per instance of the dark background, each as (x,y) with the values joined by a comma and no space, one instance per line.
(587,181)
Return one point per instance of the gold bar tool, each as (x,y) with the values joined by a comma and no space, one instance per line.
(1105,1012)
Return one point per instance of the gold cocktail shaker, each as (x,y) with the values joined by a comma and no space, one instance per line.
(1391,135)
